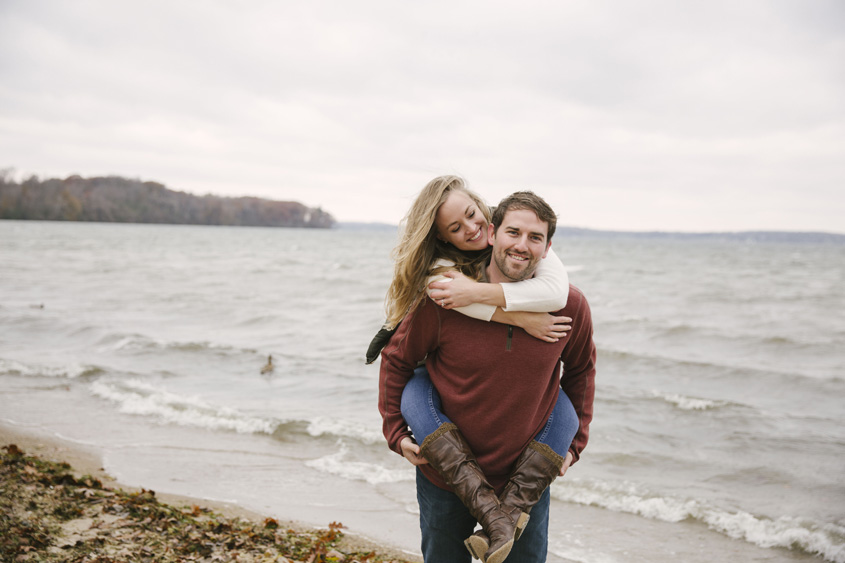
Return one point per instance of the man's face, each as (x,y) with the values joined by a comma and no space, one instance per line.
(519,244)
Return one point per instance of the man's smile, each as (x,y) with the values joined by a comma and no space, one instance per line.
(518,257)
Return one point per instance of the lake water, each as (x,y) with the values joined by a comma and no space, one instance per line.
(719,428)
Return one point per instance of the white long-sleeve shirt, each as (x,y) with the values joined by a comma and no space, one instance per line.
(547,291)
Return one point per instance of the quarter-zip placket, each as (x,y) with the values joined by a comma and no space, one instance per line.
(510,338)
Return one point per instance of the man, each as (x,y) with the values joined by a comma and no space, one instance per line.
(498,386)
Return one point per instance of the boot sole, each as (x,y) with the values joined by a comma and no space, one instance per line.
(478,549)
(500,554)
(478,546)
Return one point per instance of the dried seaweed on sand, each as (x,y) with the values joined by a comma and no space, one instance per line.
(48,514)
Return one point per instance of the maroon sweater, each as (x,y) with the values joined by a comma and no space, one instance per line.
(498,384)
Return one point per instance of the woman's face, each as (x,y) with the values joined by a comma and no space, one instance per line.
(460,222)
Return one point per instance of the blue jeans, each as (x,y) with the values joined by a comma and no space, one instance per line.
(423,411)
(445,523)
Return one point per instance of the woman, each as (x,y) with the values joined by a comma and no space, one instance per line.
(444,240)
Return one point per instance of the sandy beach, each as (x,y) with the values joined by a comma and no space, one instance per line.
(87,462)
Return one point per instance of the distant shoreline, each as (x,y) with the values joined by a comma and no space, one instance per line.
(740,236)
(113,199)
(782,237)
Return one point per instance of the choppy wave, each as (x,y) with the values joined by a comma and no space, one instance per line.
(681,329)
(689,403)
(70,371)
(141,343)
(262,320)
(373,473)
(809,536)
(679,401)
(610,354)
(324,426)
(751,338)
(613,354)
(136,397)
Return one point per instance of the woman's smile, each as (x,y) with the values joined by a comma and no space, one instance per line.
(460,222)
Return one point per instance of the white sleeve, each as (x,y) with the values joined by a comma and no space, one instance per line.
(547,291)
(478,311)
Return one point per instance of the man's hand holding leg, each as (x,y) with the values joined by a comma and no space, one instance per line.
(411,451)
(566,462)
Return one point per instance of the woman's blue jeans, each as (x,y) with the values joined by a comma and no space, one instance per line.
(423,411)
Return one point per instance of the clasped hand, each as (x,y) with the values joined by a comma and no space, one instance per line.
(455,291)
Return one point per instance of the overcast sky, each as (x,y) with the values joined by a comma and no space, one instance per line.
(647,115)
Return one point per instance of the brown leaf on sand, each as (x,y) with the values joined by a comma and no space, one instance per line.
(271,523)
(13,450)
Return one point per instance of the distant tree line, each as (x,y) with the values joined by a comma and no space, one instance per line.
(121,200)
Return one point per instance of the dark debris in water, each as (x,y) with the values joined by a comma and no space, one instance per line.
(49,515)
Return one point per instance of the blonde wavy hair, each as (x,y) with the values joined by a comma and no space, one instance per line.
(419,248)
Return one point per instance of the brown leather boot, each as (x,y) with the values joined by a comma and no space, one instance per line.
(448,452)
(534,470)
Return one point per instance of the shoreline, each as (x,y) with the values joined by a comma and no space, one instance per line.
(88,461)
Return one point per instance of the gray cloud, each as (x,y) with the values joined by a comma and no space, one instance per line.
(648,115)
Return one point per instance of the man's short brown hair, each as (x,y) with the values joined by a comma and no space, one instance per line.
(530,201)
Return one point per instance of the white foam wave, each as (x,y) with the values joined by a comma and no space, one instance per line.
(322,426)
(374,474)
(688,403)
(824,539)
(136,397)
(68,371)
(786,531)
(130,343)
(141,343)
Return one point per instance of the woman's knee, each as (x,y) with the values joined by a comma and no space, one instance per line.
(415,392)
(566,412)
